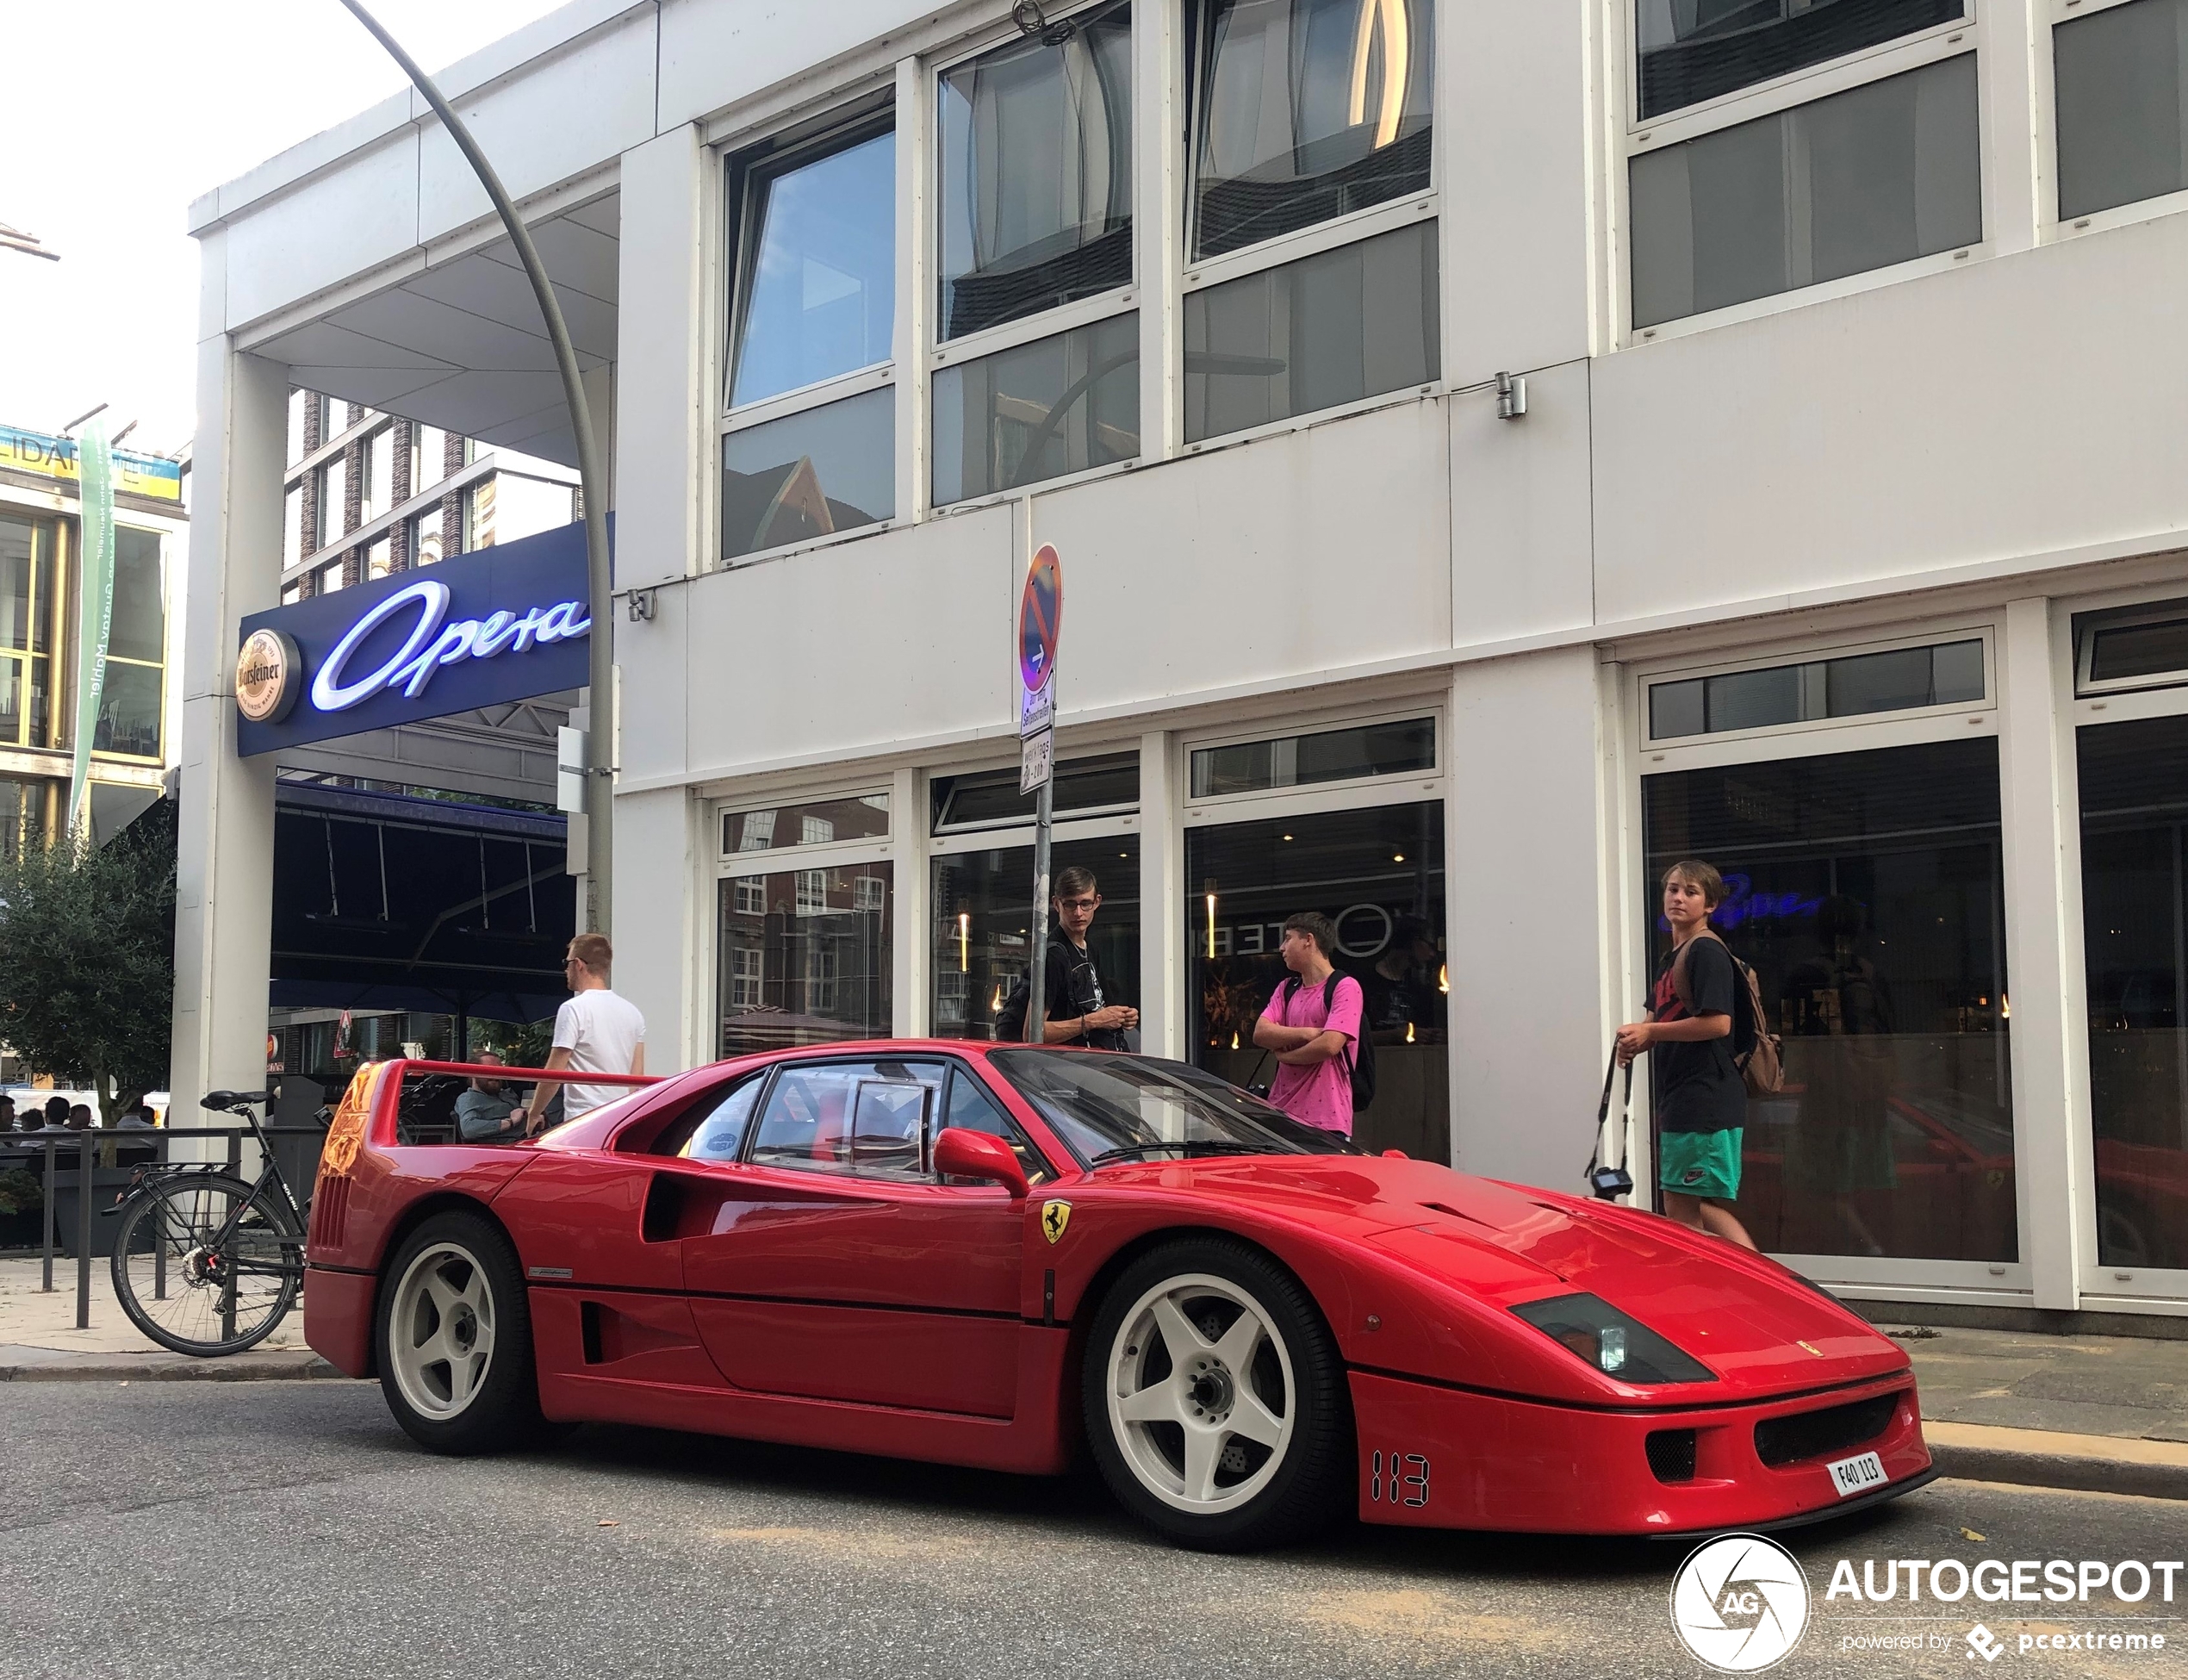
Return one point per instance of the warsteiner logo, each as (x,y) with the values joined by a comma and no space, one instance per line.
(1740,1603)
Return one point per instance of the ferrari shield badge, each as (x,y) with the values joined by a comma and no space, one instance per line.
(1055,1216)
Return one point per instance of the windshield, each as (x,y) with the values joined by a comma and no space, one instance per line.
(1110,1108)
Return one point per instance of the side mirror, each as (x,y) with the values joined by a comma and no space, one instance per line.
(963,1154)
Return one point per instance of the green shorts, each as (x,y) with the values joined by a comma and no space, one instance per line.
(1706,1164)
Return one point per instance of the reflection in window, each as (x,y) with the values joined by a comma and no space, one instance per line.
(2134,906)
(1329,755)
(425,538)
(1378,874)
(819,270)
(1878,175)
(1328,329)
(1036,173)
(26,628)
(983,911)
(1306,110)
(1059,405)
(2121,76)
(986,798)
(864,1116)
(809,474)
(1693,50)
(23,810)
(1948,673)
(803,961)
(1867,893)
(128,711)
(813,822)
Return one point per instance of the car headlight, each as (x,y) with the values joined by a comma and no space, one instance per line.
(1595,1331)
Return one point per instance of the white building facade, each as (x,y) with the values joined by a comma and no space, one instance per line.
(1833,536)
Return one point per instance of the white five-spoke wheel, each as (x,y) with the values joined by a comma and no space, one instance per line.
(441,1333)
(1215,1401)
(1200,1393)
(453,1339)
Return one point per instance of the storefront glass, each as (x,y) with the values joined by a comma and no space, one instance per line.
(1378,874)
(1865,890)
(2134,935)
(983,905)
(804,956)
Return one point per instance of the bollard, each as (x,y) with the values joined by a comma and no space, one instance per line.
(83,1231)
(47,1287)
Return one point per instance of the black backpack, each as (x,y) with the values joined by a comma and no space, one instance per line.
(1359,1068)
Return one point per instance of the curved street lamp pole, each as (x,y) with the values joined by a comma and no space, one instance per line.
(600,737)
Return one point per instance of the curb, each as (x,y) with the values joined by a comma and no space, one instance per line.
(279,1367)
(2043,1458)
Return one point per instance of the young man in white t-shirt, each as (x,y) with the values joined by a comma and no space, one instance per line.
(596,1032)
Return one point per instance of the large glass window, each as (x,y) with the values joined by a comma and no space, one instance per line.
(1866,892)
(1326,330)
(1082,786)
(2134,935)
(1037,411)
(2121,75)
(1881,174)
(818,267)
(804,956)
(27,596)
(982,908)
(1406,748)
(22,813)
(1036,172)
(1304,110)
(809,474)
(1693,50)
(1378,875)
(806,823)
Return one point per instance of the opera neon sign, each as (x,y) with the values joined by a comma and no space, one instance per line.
(433,643)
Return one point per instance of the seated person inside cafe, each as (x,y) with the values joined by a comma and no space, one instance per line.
(487,1112)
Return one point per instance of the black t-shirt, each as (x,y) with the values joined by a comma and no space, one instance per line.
(1073,989)
(1697,1087)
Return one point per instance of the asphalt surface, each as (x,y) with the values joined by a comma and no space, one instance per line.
(289,1529)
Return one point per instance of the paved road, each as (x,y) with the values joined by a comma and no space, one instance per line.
(289,1529)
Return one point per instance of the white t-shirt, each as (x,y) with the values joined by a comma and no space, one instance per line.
(602,1033)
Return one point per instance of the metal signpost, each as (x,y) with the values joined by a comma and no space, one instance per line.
(1041,617)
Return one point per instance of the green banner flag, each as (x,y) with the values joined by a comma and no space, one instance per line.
(96,618)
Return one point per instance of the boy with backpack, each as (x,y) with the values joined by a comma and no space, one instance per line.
(1312,1026)
(1703,1067)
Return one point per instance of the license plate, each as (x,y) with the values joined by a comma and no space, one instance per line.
(1857,1474)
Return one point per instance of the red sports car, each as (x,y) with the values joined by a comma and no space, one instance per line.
(997,1256)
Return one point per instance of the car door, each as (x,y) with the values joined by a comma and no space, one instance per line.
(834,1266)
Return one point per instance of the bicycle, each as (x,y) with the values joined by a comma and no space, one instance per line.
(204,1263)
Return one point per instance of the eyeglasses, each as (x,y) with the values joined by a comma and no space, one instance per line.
(1080,903)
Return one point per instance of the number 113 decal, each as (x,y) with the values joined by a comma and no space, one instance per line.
(1397,1479)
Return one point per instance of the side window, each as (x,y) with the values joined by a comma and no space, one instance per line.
(720,1132)
(849,1115)
(973,1108)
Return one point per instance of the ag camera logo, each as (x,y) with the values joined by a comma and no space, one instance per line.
(1740,1603)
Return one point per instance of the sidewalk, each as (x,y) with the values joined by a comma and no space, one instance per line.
(40,1342)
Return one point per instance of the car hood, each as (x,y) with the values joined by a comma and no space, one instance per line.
(1758,1325)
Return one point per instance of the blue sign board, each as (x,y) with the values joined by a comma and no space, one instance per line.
(502,623)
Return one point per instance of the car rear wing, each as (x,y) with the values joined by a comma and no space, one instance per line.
(413,1101)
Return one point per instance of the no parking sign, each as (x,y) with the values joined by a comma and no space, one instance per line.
(1040,619)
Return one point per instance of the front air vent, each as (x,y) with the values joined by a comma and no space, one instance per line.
(1783,1440)
(1671,1454)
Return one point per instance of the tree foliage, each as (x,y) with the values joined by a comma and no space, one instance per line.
(87,959)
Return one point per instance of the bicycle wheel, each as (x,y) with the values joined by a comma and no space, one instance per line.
(204,1265)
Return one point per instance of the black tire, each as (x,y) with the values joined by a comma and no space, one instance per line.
(1257,1491)
(219,1296)
(453,1289)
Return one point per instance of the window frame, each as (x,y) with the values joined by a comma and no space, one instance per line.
(1983,630)
(952,1067)
(1633,137)
(741,163)
(2050,224)
(1353,793)
(2004,1282)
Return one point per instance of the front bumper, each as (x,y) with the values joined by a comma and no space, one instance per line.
(1445,1458)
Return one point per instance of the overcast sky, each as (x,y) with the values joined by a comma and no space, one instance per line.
(120,112)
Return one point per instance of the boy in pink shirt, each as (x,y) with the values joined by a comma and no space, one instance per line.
(1312,1027)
